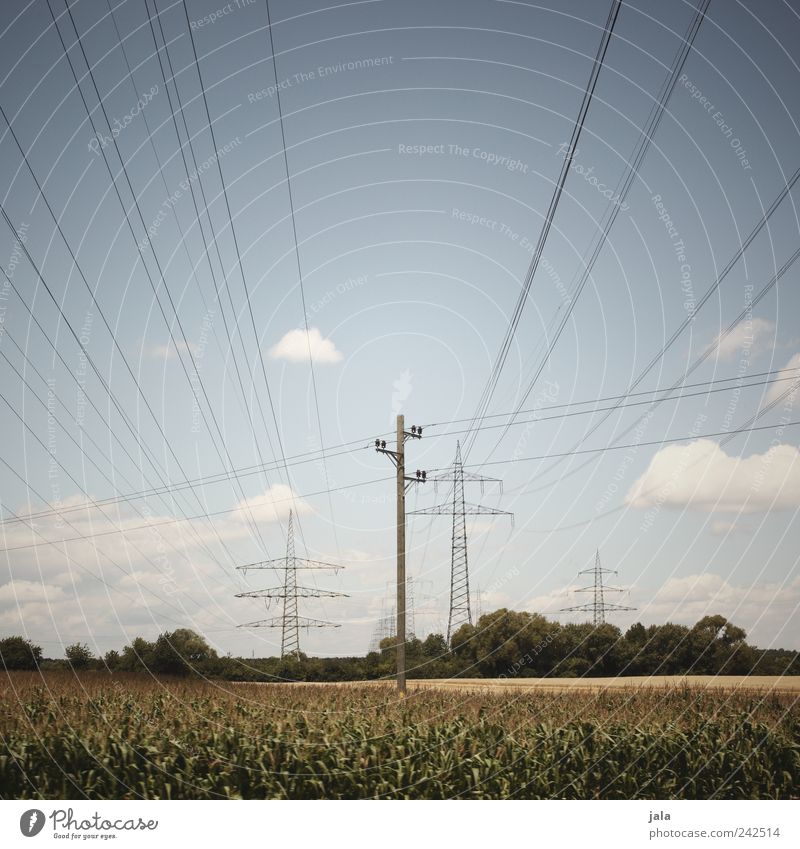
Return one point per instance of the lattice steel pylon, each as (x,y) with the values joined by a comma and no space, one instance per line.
(411,630)
(290,622)
(384,628)
(598,606)
(385,625)
(459,509)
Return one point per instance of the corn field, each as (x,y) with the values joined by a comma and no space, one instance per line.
(103,737)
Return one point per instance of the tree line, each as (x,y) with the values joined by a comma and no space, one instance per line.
(502,644)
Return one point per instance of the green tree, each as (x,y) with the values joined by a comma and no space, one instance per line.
(636,634)
(666,650)
(719,646)
(112,660)
(570,654)
(435,646)
(291,668)
(79,656)
(606,650)
(19,653)
(508,642)
(635,639)
(462,644)
(138,656)
(181,652)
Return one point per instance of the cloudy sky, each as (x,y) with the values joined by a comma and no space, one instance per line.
(171,366)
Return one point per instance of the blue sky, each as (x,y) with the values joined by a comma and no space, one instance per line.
(423,143)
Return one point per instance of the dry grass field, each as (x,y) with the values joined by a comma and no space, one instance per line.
(125,736)
(724,683)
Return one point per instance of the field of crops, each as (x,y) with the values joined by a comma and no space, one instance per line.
(125,737)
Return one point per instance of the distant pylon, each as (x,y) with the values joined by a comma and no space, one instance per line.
(377,636)
(289,621)
(410,626)
(598,605)
(385,626)
(460,607)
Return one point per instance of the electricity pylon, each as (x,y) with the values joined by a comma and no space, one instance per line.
(289,621)
(460,606)
(385,625)
(598,605)
(383,629)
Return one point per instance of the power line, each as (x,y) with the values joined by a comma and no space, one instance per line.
(111,587)
(89,359)
(197,173)
(634,164)
(666,440)
(310,457)
(98,549)
(180,485)
(768,286)
(205,515)
(657,391)
(91,503)
(240,265)
(187,348)
(183,237)
(599,59)
(84,351)
(623,406)
(299,266)
(727,434)
(111,430)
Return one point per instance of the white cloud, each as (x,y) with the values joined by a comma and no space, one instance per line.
(157,351)
(723,528)
(150,586)
(295,346)
(271,506)
(701,476)
(549,604)
(757,335)
(21,592)
(777,389)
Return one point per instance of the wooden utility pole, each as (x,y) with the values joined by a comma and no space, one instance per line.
(401,555)
(398,457)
